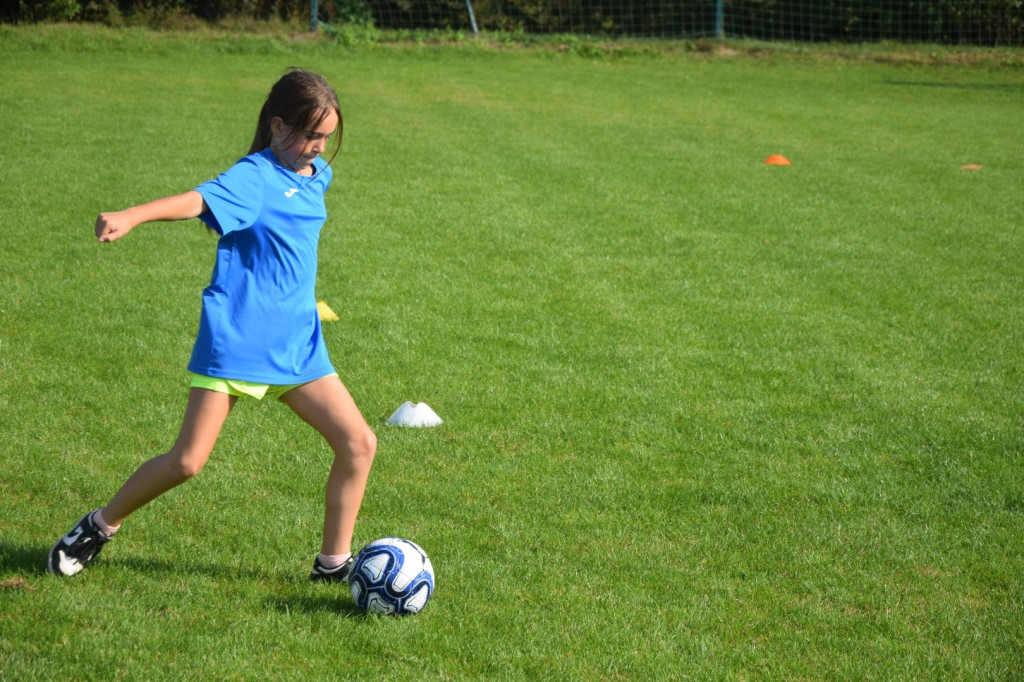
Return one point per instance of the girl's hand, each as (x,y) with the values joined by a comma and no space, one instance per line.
(111,226)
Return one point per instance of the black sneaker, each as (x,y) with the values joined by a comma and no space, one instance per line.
(80,546)
(335,575)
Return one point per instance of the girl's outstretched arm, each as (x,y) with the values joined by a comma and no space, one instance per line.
(111,226)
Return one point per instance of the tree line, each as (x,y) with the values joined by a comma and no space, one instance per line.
(973,22)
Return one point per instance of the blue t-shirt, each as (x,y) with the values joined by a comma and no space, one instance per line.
(259,320)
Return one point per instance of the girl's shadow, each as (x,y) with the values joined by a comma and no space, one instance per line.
(22,559)
(310,604)
(25,561)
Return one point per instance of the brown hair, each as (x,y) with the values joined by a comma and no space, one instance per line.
(301,99)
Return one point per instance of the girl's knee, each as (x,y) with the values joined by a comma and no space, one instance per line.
(183,466)
(365,446)
(360,447)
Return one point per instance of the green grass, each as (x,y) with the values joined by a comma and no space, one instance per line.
(704,418)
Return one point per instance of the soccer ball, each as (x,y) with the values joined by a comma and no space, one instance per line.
(391,576)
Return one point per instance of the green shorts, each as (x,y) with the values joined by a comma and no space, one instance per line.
(240,388)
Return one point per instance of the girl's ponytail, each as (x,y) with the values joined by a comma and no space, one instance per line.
(261,140)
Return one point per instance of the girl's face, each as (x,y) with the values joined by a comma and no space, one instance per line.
(297,149)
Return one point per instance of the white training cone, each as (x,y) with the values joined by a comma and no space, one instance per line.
(414,414)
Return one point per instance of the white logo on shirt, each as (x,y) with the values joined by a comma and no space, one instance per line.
(290,192)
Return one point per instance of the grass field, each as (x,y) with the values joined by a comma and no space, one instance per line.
(704,418)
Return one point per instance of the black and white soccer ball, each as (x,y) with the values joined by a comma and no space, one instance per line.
(392,576)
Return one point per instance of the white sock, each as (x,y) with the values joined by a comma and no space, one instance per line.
(106,529)
(333,560)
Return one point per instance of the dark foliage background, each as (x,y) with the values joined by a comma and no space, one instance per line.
(963,22)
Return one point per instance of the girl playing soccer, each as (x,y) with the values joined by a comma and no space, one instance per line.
(259,331)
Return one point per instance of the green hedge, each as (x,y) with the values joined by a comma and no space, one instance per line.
(110,11)
(973,22)
(978,22)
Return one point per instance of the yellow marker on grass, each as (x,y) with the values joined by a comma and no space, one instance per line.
(326,314)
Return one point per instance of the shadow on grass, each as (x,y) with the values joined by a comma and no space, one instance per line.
(290,599)
(29,561)
(1003,87)
(23,559)
(309,604)
(145,565)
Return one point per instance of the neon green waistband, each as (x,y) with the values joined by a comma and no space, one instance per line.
(237,387)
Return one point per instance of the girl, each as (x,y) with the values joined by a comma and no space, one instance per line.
(259,331)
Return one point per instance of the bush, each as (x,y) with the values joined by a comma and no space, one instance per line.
(111,11)
(972,22)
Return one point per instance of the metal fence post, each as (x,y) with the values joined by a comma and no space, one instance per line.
(472,17)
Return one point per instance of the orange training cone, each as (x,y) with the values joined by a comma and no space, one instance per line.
(777,160)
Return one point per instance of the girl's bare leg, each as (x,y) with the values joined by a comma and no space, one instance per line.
(203,420)
(327,406)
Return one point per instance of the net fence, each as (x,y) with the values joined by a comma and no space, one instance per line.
(952,22)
